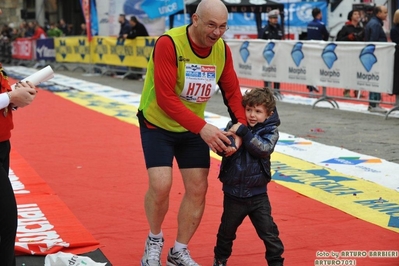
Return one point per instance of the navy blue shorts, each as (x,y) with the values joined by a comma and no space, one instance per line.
(161,146)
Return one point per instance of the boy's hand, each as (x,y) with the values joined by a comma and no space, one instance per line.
(236,142)
(214,137)
(235,127)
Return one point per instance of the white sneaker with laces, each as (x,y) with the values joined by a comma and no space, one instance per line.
(180,258)
(152,252)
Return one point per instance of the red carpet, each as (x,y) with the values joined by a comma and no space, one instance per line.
(95,165)
(46,225)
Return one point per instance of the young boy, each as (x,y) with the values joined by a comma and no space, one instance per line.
(245,175)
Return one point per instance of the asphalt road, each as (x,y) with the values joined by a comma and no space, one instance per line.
(365,133)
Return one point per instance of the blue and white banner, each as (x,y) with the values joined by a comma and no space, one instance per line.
(297,14)
(93,18)
(162,8)
(45,49)
(346,65)
(108,12)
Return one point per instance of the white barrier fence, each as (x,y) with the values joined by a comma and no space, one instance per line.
(347,65)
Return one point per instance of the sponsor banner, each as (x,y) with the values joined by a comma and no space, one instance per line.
(45,224)
(161,8)
(22,48)
(86,14)
(342,160)
(299,14)
(122,111)
(296,17)
(110,10)
(45,49)
(27,183)
(347,65)
(365,200)
(72,49)
(89,9)
(121,52)
(93,18)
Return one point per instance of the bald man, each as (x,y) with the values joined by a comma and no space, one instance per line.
(185,66)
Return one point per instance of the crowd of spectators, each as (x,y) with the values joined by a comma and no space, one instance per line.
(130,29)
(32,29)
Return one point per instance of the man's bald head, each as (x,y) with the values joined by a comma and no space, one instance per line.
(209,22)
(381,12)
(211,7)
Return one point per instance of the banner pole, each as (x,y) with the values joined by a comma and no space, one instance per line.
(88,6)
(185,12)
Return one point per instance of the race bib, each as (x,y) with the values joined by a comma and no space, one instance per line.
(200,83)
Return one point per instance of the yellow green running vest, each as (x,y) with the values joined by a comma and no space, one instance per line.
(196,80)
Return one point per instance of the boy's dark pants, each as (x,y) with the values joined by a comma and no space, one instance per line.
(259,211)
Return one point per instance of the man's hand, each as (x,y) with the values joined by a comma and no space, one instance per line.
(23,94)
(215,138)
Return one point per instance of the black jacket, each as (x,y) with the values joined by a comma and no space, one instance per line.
(125,28)
(137,31)
(270,32)
(350,33)
(394,34)
(247,172)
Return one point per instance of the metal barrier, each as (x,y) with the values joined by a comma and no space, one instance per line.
(327,94)
(5,51)
(126,72)
(101,69)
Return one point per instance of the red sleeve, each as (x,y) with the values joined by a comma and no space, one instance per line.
(165,76)
(230,85)
(37,34)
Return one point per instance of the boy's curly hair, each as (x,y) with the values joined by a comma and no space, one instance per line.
(259,96)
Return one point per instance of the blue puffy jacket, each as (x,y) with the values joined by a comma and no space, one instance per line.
(247,172)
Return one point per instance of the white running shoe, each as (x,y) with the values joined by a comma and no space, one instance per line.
(152,252)
(180,258)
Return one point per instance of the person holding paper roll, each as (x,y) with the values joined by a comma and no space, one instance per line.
(18,95)
(22,95)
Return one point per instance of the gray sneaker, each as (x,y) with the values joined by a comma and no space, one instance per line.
(377,109)
(152,252)
(181,258)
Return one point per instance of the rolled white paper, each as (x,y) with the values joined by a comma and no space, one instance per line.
(40,76)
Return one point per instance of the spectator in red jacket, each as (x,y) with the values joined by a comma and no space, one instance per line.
(38,33)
